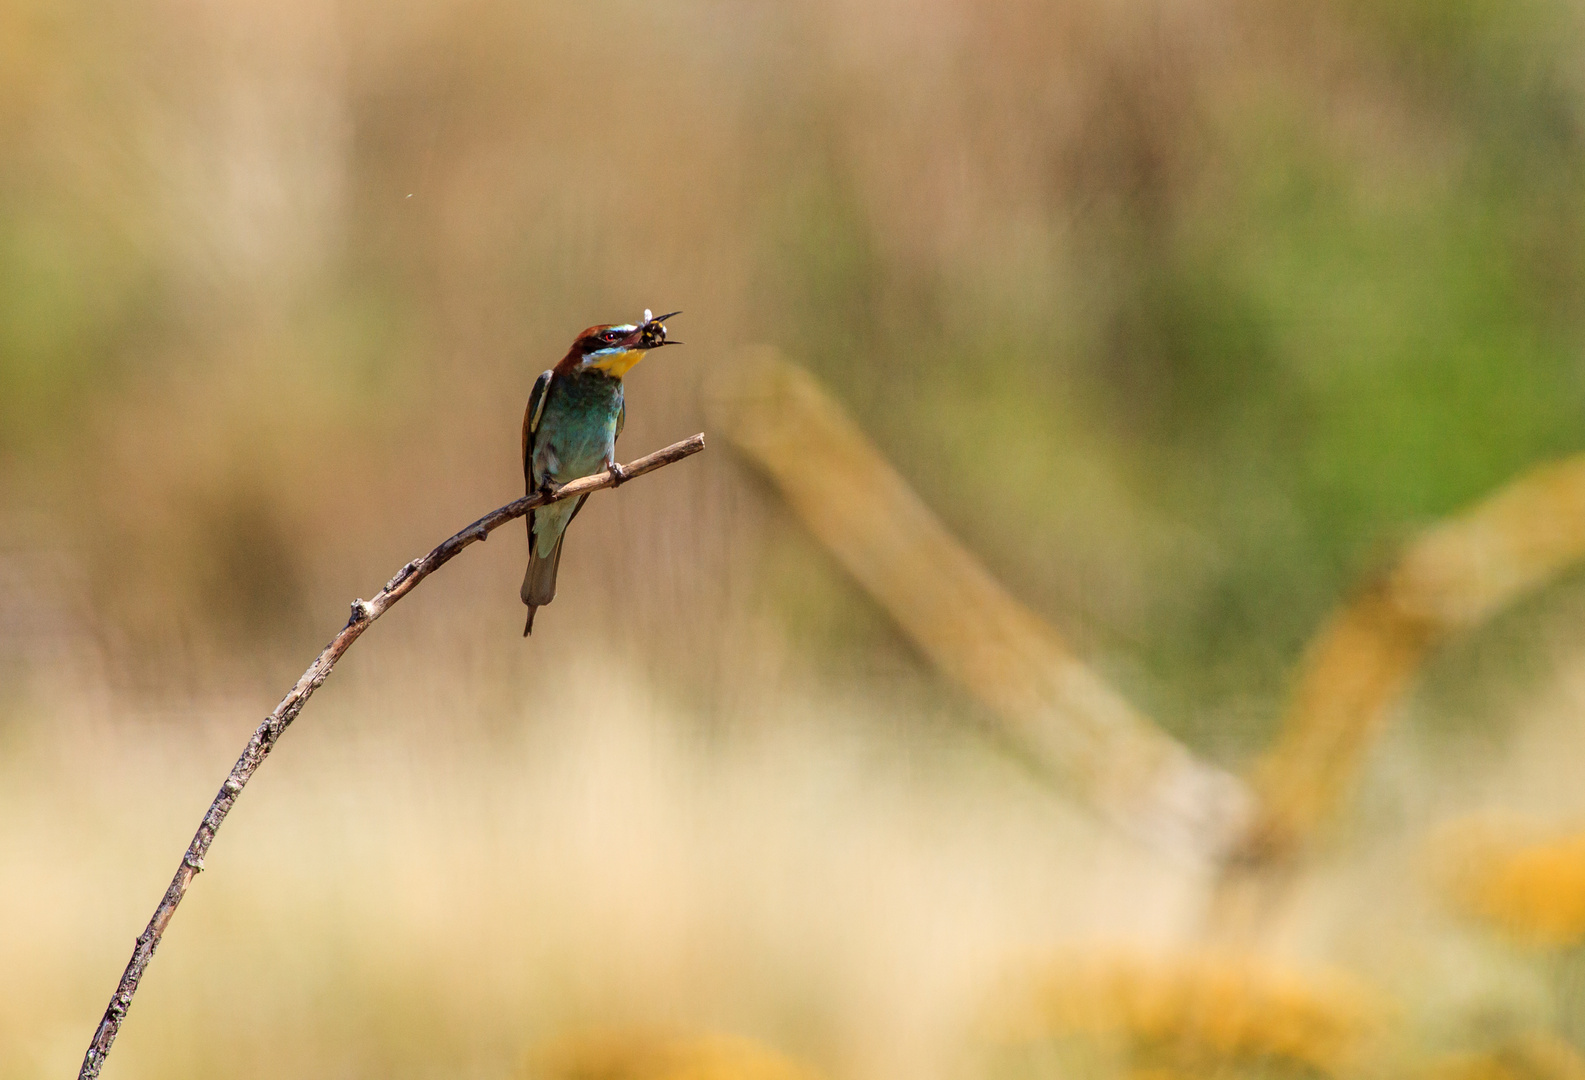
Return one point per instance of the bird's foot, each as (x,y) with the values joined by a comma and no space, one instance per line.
(618,474)
(550,489)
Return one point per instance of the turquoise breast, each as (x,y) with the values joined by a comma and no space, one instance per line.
(578,428)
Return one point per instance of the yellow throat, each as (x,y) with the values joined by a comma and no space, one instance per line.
(619,364)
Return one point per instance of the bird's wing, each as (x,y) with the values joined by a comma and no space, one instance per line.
(621,420)
(531,418)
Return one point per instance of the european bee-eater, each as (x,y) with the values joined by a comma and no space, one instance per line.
(575,413)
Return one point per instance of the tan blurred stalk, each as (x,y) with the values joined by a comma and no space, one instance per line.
(1051,704)
(1452,578)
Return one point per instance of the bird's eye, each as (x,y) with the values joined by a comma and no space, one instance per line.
(610,335)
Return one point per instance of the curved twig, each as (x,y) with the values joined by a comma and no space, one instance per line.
(364,612)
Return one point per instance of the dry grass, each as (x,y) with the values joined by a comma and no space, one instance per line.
(420,886)
(413,889)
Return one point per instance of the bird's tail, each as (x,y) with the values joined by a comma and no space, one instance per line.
(539,580)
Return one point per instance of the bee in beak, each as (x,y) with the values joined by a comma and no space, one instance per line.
(652,331)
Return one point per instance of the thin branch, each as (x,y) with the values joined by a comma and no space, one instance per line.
(364,612)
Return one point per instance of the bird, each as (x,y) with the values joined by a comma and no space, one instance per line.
(575,413)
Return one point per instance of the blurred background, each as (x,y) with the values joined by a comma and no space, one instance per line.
(1184,316)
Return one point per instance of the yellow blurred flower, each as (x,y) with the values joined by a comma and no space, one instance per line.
(1194,1014)
(648,1055)
(1535,1055)
(1530,887)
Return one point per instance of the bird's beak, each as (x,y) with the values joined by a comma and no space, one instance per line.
(620,356)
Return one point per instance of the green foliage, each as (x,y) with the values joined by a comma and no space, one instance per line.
(1296,349)
(1217,326)
(69,303)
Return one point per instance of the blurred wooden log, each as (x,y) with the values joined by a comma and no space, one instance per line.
(1452,578)
(1052,706)
(364,612)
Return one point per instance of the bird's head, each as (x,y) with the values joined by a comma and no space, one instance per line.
(615,347)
